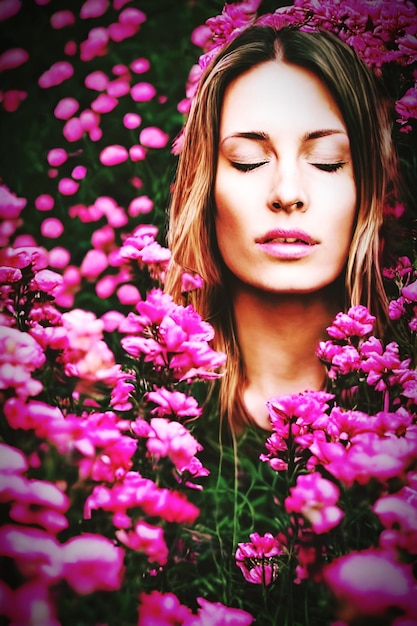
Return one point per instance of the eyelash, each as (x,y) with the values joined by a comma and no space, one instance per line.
(247,167)
(329,167)
(324,167)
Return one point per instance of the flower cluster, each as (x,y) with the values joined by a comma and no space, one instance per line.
(333,453)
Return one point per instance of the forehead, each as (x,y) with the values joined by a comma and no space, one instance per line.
(278,93)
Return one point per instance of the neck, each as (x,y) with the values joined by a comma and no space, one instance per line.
(278,335)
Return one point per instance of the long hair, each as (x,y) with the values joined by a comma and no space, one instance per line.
(191,232)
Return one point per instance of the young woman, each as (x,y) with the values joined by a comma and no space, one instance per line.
(278,205)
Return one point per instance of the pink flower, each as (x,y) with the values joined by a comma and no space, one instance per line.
(216,613)
(56,157)
(12,58)
(20,355)
(134,491)
(113,155)
(44,202)
(148,539)
(398,514)
(93,8)
(97,81)
(93,264)
(91,563)
(73,130)
(47,281)
(315,497)
(140,66)
(132,16)
(66,108)
(57,74)
(35,552)
(12,98)
(356,322)
(174,403)
(161,609)
(410,291)
(371,583)
(142,92)
(30,600)
(10,205)
(128,294)
(95,45)
(172,439)
(257,559)
(9,8)
(131,120)
(104,103)
(61,19)
(153,137)
(9,274)
(189,282)
(52,227)
(140,205)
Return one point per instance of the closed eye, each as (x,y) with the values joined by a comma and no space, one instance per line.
(329,167)
(247,167)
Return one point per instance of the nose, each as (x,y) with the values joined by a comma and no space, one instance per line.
(287,192)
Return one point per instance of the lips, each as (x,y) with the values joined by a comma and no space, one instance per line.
(282,236)
(287,245)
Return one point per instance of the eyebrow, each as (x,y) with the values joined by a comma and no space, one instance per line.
(309,136)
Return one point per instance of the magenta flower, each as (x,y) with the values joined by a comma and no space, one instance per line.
(93,264)
(148,539)
(9,274)
(173,440)
(173,403)
(93,8)
(113,155)
(104,103)
(356,322)
(410,291)
(140,205)
(216,613)
(153,137)
(91,563)
(35,552)
(28,601)
(9,8)
(315,498)
(371,583)
(47,280)
(133,491)
(161,609)
(95,45)
(140,66)
(61,19)
(257,559)
(66,108)
(398,514)
(57,74)
(44,202)
(97,81)
(56,157)
(52,227)
(142,92)
(12,58)
(10,205)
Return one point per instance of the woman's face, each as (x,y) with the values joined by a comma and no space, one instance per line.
(284,190)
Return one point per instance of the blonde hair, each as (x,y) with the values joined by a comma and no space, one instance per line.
(191,233)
